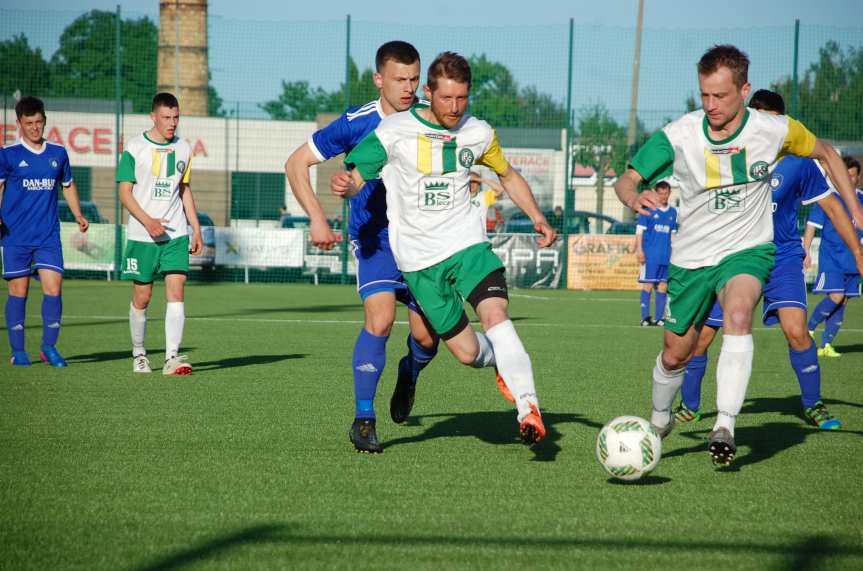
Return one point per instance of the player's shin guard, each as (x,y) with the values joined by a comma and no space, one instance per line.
(15,312)
(485,357)
(369,360)
(805,365)
(513,364)
(732,378)
(665,386)
(138,329)
(661,299)
(834,323)
(419,356)
(823,310)
(645,304)
(690,391)
(175,320)
(52,312)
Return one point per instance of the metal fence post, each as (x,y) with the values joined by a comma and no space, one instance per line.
(118,93)
(568,198)
(345,212)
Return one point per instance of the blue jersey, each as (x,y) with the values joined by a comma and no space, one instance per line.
(29,211)
(369,207)
(833,254)
(794,181)
(656,237)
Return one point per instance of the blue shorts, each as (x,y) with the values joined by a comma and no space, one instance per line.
(653,273)
(837,282)
(377,272)
(20,261)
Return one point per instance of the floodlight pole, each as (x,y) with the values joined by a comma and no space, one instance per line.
(632,130)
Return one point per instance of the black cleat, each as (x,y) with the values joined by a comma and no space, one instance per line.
(722,448)
(402,401)
(364,437)
(647,322)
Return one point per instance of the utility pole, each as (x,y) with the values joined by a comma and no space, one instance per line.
(632,130)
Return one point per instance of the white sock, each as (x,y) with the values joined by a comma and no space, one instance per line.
(732,377)
(485,357)
(138,328)
(665,386)
(513,364)
(175,319)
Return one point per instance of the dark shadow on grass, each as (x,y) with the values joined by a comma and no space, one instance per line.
(645,481)
(492,427)
(112,355)
(330,308)
(230,362)
(843,402)
(803,555)
(79,323)
(856,348)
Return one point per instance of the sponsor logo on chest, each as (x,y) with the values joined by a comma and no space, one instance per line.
(39,183)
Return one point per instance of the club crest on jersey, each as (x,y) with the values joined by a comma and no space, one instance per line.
(465,158)
(726,200)
(775,181)
(181,166)
(436,193)
(54,163)
(759,170)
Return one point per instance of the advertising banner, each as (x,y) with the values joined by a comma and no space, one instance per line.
(527,265)
(93,250)
(602,261)
(260,247)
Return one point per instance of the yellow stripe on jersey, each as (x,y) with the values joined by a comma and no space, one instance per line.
(424,154)
(187,175)
(156,166)
(493,156)
(799,141)
(489,197)
(712,169)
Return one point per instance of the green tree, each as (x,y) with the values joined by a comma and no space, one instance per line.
(600,145)
(22,68)
(830,98)
(215,104)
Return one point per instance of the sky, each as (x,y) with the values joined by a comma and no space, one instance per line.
(256,44)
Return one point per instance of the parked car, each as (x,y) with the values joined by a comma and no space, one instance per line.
(207,258)
(88,209)
(578,222)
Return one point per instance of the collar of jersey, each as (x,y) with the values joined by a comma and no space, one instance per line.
(29,148)
(705,125)
(171,142)
(423,121)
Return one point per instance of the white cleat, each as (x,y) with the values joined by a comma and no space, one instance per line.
(177,365)
(141,364)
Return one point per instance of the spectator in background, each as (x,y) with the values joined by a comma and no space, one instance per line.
(653,249)
(485,201)
(283,213)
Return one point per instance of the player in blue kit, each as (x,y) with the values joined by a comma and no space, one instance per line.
(653,249)
(379,282)
(31,170)
(794,181)
(838,271)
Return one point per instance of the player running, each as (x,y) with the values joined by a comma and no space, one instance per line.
(794,181)
(424,157)
(724,249)
(379,282)
(30,170)
(839,269)
(154,175)
(653,249)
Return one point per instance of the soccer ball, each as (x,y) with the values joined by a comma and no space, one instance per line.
(628,447)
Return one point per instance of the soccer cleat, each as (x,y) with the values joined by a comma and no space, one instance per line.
(20,359)
(664,430)
(531,428)
(684,414)
(177,365)
(402,400)
(50,355)
(812,334)
(646,322)
(828,351)
(659,322)
(820,417)
(721,446)
(141,364)
(364,437)
(501,386)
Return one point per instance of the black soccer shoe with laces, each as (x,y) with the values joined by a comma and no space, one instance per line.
(364,436)
(402,401)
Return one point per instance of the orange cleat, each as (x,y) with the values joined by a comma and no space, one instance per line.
(501,386)
(532,429)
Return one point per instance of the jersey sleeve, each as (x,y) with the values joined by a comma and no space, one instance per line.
(641,223)
(67,170)
(816,217)
(674,223)
(126,168)
(332,140)
(187,176)
(5,168)
(798,141)
(654,160)
(369,157)
(493,157)
(813,186)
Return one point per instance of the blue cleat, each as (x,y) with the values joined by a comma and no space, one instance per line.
(49,355)
(818,415)
(20,359)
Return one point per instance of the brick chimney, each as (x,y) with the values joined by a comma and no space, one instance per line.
(183,62)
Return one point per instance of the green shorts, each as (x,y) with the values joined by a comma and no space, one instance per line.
(142,260)
(692,293)
(442,288)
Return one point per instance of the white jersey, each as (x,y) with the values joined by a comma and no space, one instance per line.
(156,171)
(726,199)
(482,201)
(426,171)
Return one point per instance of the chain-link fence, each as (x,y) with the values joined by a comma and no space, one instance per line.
(560,97)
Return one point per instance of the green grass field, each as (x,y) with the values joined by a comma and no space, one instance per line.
(246,464)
